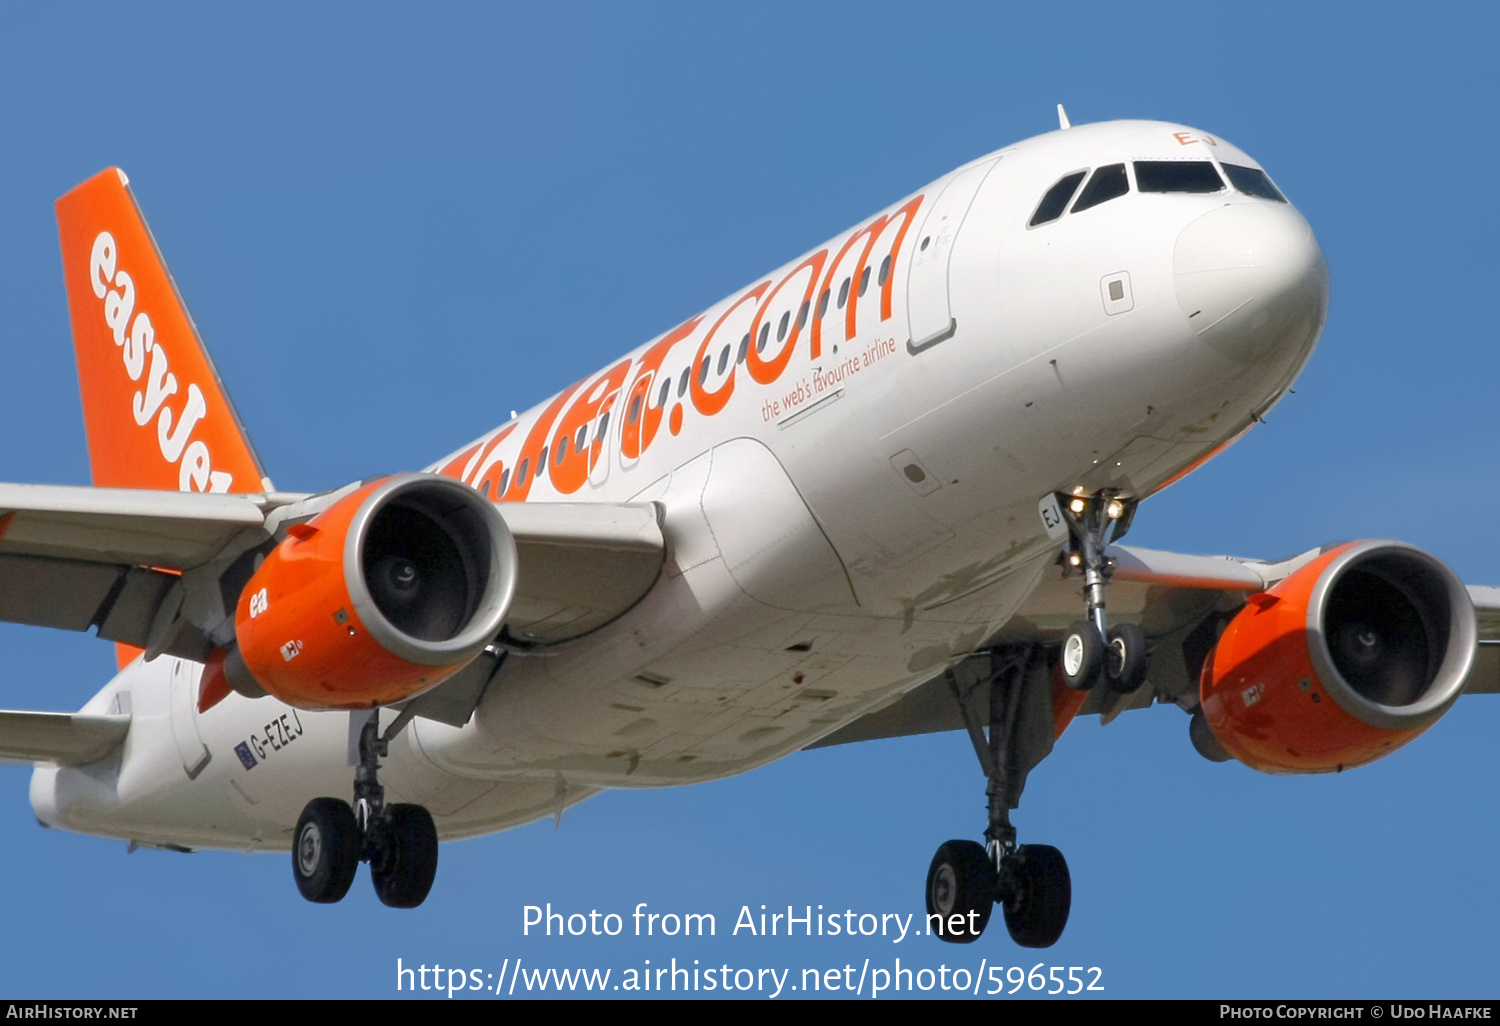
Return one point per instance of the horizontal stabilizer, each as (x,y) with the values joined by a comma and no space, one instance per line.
(65,739)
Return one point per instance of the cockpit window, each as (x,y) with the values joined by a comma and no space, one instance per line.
(1056,201)
(1177,176)
(1253,182)
(1108,183)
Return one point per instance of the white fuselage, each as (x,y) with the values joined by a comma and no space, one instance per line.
(849,490)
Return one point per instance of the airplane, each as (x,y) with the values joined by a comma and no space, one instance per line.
(878,492)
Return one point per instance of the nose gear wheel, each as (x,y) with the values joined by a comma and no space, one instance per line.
(1094,522)
(1082,656)
(1125,658)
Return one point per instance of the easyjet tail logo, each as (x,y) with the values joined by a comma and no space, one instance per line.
(146,358)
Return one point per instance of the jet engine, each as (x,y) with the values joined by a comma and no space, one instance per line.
(379,597)
(1341,663)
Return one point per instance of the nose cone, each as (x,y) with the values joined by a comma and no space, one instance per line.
(1252,282)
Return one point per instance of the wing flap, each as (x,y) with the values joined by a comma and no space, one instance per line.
(1484,678)
(133,604)
(64,739)
(62,593)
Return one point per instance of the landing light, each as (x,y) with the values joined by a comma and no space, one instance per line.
(1076,505)
(1074,559)
(1115,509)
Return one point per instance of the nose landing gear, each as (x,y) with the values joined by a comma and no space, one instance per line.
(1030,882)
(1092,648)
(398,841)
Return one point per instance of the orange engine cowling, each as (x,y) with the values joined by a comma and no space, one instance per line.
(1344,661)
(382,595)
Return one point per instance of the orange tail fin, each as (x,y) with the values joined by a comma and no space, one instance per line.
(154,409)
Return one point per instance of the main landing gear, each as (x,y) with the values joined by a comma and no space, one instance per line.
(1029,882)
(398,841)
(1092,649)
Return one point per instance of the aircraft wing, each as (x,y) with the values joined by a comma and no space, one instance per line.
(133,564)
(1178,600)
(75,558)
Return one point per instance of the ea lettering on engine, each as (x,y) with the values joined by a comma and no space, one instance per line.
(1341,663)
(386,593)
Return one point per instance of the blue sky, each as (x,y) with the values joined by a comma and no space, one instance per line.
(395,225)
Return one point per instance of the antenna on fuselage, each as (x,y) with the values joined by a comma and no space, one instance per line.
(1062,119)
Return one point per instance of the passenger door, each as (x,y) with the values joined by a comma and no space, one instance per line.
(927,302)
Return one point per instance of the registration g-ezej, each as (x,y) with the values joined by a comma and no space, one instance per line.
(879,491)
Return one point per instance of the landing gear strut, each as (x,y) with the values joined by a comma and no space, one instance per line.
(398,841)
(1092,648)
(1029,881)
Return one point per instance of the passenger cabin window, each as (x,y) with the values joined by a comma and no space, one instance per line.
(1109,182)
(1252,181)
(1177,176)
(1056,200)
